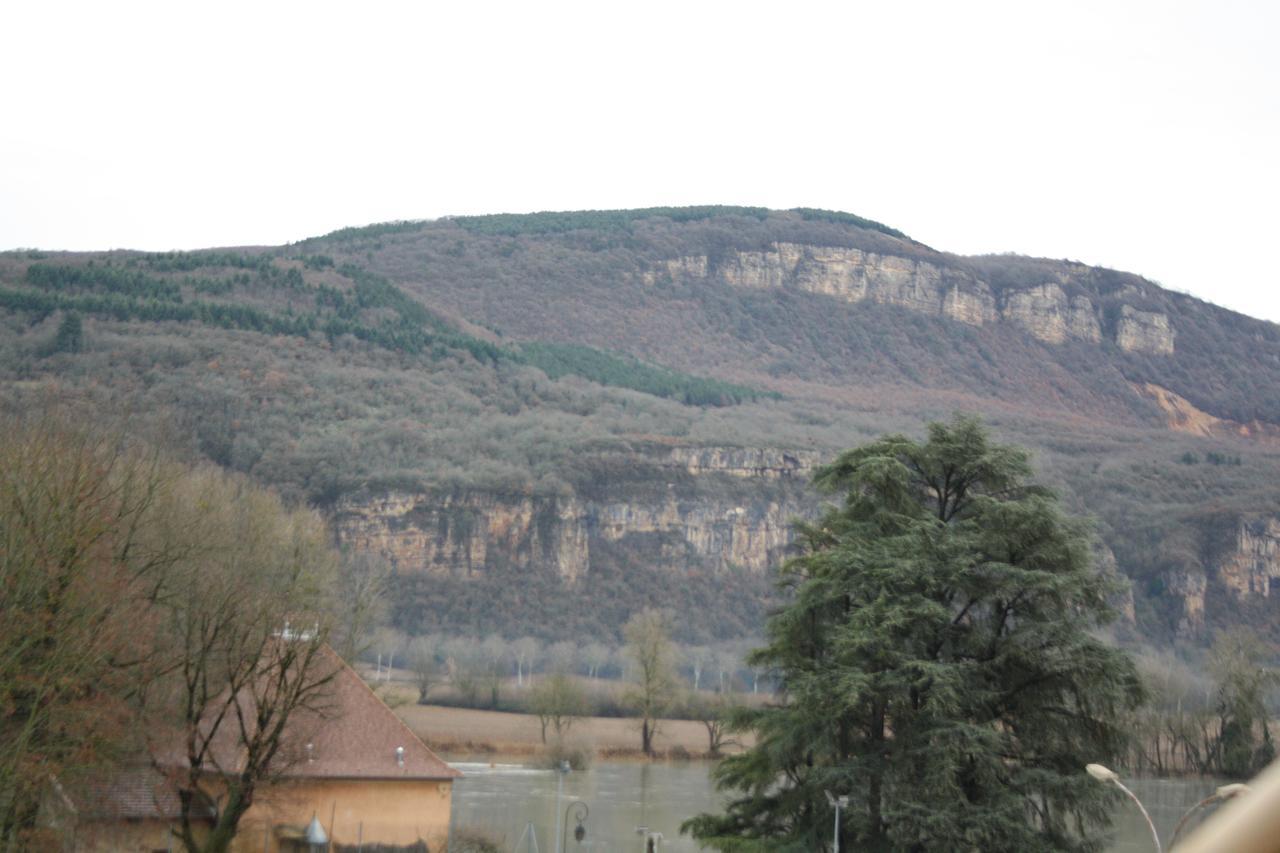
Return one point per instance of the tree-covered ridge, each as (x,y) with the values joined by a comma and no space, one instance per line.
(841,217)
(623,371)
(261,293)
(377,229)
(274,299)
(559,222)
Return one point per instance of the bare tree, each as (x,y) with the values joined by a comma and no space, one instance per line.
(595,656)
(648,637)
(464,662)
(388,643)
(697,657)
(562,656)
(423,660)
(526,650)
(248,613)
(713,712)
(726,663)
(80,562)
(362,583)
(493,652)
(558,701)
(144,598)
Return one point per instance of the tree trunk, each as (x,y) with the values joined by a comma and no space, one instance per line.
(875,792)
(224,831)
(646,737)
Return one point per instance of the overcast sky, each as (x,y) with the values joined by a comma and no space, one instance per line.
(1143,136)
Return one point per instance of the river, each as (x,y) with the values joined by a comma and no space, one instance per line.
(623,796)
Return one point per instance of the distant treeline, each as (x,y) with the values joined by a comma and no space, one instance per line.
(372,310)
(513,224)
(557,360)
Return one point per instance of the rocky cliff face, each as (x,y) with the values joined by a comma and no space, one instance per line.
(1252,567)
(852,275)
(1241,566)
(463,534)
(744,461)
(1048,314)
(1144,331)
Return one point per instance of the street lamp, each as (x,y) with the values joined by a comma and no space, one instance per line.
(1109,777)
(837,803)
(580,812)
(1225,792)
(561,772)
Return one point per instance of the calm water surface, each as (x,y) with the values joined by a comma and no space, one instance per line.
(622,796)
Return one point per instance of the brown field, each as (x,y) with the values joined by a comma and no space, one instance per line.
(465,731)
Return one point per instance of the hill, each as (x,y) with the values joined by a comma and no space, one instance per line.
(546,421)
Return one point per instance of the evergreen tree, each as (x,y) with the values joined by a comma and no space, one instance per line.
(70,335)
(937,666)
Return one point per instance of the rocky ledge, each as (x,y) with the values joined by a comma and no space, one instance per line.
(1045,311)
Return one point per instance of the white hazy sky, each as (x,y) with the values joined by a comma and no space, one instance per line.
(1139,135)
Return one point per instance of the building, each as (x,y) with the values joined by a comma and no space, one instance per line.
(358,772)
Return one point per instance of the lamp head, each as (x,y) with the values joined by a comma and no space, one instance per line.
(1102,774)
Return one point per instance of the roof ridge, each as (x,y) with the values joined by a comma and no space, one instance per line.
(373,695)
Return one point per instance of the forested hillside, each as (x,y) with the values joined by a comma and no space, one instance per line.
(545,422)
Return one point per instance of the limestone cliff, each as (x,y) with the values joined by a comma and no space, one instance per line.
(1045,311)
(1144,331)
(1236,572)
(459,534)
(688,524)
(744,461)
(470,533)
(1188,586)
(1251,567)
(1048,314)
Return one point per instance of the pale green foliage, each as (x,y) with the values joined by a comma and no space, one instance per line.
(559,702)
(648,636)
(1244,744)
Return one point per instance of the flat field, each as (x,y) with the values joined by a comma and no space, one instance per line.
(463,731)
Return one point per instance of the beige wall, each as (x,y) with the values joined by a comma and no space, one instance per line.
(387,812)
(132,836)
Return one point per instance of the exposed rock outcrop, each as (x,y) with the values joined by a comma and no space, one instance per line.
(1189,586)
(1182,415)
(1048,314)
(695,524)
(463,534)
(1144,331)
(853,275)
(745,461)
(1252,566)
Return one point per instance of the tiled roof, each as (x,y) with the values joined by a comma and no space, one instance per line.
(356,737)
(127,793)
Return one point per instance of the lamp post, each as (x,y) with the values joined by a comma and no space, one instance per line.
(561,772)
(580,812)
(1225,792)
(1109,777)
(837,803)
